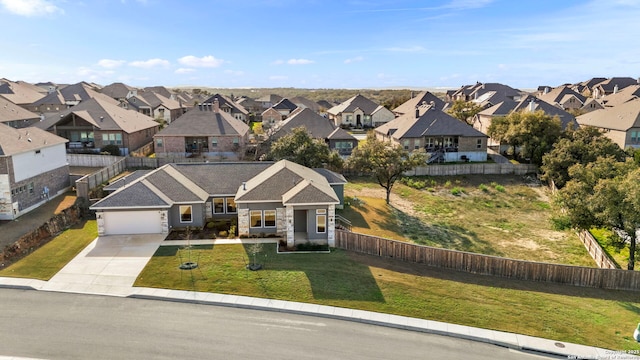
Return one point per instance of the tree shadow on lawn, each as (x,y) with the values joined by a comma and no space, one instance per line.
(441,235)
(332,276)
(495,281)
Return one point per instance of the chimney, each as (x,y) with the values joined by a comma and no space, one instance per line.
(244,185)
(546,90)
(433,105)
(532,105)
(216,105)
(615,89)
(417,112)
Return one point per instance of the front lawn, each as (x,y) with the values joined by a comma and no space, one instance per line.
(593,317)
(46,261)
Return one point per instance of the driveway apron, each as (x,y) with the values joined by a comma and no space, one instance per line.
(109,265)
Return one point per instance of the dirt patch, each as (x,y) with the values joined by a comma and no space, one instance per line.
(398,202)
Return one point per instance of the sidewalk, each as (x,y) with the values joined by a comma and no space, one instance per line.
(146,245)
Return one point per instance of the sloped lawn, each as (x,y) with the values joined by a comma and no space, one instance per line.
(580,315)
(497,215)
(46,261)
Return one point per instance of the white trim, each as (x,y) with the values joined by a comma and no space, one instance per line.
(190,214)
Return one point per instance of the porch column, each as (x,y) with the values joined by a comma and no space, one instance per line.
(331,226)
(281,222)
(164,221)
(243,221)
(290,227)
(100,223)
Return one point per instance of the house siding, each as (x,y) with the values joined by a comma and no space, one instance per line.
(197,214)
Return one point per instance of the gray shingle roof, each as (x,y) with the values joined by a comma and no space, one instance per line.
(126,180)
(331,176)
(203,121)
(136,195)
(221,178)
(425,97)
(285,104)
(12,112)
(104,116)
(316,125)
(172,188)
(355,102)
(432,122)
(622,117)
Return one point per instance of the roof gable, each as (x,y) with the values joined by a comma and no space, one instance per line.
(205,121)
(16,141)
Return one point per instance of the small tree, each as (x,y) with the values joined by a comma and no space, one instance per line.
(386,161)
(299,147)
(464,110)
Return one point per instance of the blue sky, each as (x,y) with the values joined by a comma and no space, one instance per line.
(319,44)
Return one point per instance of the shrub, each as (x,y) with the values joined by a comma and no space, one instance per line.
(309,246)
(561,222)
(210,225)
(111,149)
(500,188)
(483,187)
(223,233)
(447,184)
(456,191)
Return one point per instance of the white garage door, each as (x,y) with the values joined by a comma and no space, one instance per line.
(132,222)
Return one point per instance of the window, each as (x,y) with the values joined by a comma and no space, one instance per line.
(159,142)
(185,214)
(429,142)
(479,144)
(321,220)
(349,117)
(30,188)
(236,141)
(214,142)
(231,206)
(111,139)
(269,218)
(635,136)
(218,205)
(255,218)
(406,144)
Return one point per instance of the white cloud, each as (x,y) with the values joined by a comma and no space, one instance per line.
(184,70)
(355,59)
(299,61)
(293,62)
(93,75)
(31,7)
(110,64)
(205,61)
(149,63)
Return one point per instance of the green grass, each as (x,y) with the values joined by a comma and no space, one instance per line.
(46,261)
(620,256)
(585,316)
(506,218)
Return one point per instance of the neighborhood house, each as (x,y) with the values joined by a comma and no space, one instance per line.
(282,198)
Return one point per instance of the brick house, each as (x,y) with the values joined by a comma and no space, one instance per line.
(205,130)
(33,168)
(359,111)
(95,123)
(442,136)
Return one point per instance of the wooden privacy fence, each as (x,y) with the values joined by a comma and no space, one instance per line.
(88,160)
(595,250)
(472,168)
(489,265)
(89,182)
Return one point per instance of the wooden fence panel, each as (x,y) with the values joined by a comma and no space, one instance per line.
(489,265)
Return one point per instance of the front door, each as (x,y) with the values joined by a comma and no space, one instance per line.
(300,221)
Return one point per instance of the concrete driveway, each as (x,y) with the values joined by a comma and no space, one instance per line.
(109,265)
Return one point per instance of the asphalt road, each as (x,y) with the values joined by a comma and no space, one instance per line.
(49,325)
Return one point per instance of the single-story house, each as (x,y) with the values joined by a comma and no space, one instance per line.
(33,168)
(283,198)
